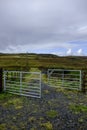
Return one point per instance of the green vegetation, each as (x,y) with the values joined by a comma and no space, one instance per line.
(16,102)
(52,113)
(47,126)
(32,119)
(41,61)
(46,91)
(5,95)
(3,126)
(78,108)
(80,120)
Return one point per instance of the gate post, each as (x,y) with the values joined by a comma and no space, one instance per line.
(1,78)
(83,81)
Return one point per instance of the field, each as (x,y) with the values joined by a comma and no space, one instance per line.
(41,61)
(58,109)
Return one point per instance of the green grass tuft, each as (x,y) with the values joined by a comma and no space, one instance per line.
(52,113)
(78,108)
(47,125)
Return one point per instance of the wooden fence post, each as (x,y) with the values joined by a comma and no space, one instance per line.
(84,82)
(1,78)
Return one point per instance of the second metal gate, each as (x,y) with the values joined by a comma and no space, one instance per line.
(65,78)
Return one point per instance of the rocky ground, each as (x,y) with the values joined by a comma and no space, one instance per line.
(58,109)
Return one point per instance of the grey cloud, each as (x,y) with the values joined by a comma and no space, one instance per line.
(42,22)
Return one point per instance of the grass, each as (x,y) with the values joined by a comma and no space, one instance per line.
(47,126)
(3,126)
(4,96)
(15,102)
(27,61)
(77,108)
(51,113)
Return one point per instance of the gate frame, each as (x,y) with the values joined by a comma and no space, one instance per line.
(63,70)
(20,77)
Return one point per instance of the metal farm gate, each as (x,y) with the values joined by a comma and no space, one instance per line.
(23,83)
(71,79)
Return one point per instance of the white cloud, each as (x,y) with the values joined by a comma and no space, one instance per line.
(69,52)
(80,52)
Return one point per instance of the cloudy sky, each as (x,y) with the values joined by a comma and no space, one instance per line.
(44,26)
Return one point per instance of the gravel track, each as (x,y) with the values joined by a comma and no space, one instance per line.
(58,109)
